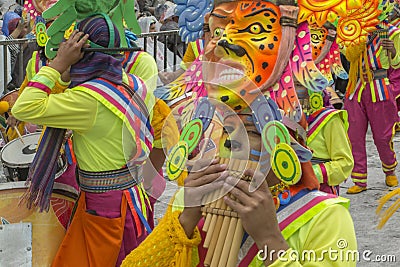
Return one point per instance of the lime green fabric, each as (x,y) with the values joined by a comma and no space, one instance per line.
(145,67)
(323,233)
(99,142)
(331,143)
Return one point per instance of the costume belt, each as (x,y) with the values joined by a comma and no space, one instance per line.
(376,74)
(100,182)
(315,160)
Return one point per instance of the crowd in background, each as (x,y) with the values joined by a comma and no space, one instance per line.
(153,16)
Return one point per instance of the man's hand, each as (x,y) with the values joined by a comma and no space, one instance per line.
(204,178)
(256,209)
(21,30)
(388,45)
(12,121)
(70,51)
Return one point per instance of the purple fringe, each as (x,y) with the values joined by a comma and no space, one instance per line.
(43,169)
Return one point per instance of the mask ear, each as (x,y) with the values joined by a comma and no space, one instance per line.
(207,18)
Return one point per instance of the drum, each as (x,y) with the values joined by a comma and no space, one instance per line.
(25,128)
(48,228)
(10,97)
(16,157)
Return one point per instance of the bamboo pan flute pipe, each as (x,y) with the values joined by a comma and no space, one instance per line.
(224,228)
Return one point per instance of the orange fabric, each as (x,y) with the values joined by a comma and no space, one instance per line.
(91,240)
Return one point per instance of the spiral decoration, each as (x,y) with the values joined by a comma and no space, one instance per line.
(317,11)
(316,101)
(191,134)
(177,160)
(349,30)
(353,28)
(285,164)
(191,18)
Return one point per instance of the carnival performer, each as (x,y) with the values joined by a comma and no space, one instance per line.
(143,65)
(327,138)
(37,61)
(394,74)
(385,213)
(112,210)
(176,239)
(368,97)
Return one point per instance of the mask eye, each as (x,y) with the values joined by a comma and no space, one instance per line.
(255,29)
(217,33)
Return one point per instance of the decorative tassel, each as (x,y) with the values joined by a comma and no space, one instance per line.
(43,170)
(183,256)
(69,152)
(354,55)
(386,215)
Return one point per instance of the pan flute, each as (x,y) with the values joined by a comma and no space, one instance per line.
(224,231)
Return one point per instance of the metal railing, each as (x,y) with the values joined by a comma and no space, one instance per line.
(163,36)
(5,44)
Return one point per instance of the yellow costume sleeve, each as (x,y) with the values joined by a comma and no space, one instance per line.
(145,67)
(167,245)
(72,109)
(339,150)
(327,240)
(395,62)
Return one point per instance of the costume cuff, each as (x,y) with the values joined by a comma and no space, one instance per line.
(324,172)
(62,83)
(178,235)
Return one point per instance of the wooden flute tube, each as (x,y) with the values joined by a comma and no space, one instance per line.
(210,203)
(225,233)
(223,223)
(221,237)
(213,221)
(225,254)
(213,242)
(215,226)
(215,229)
(236,242)
(207,216)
